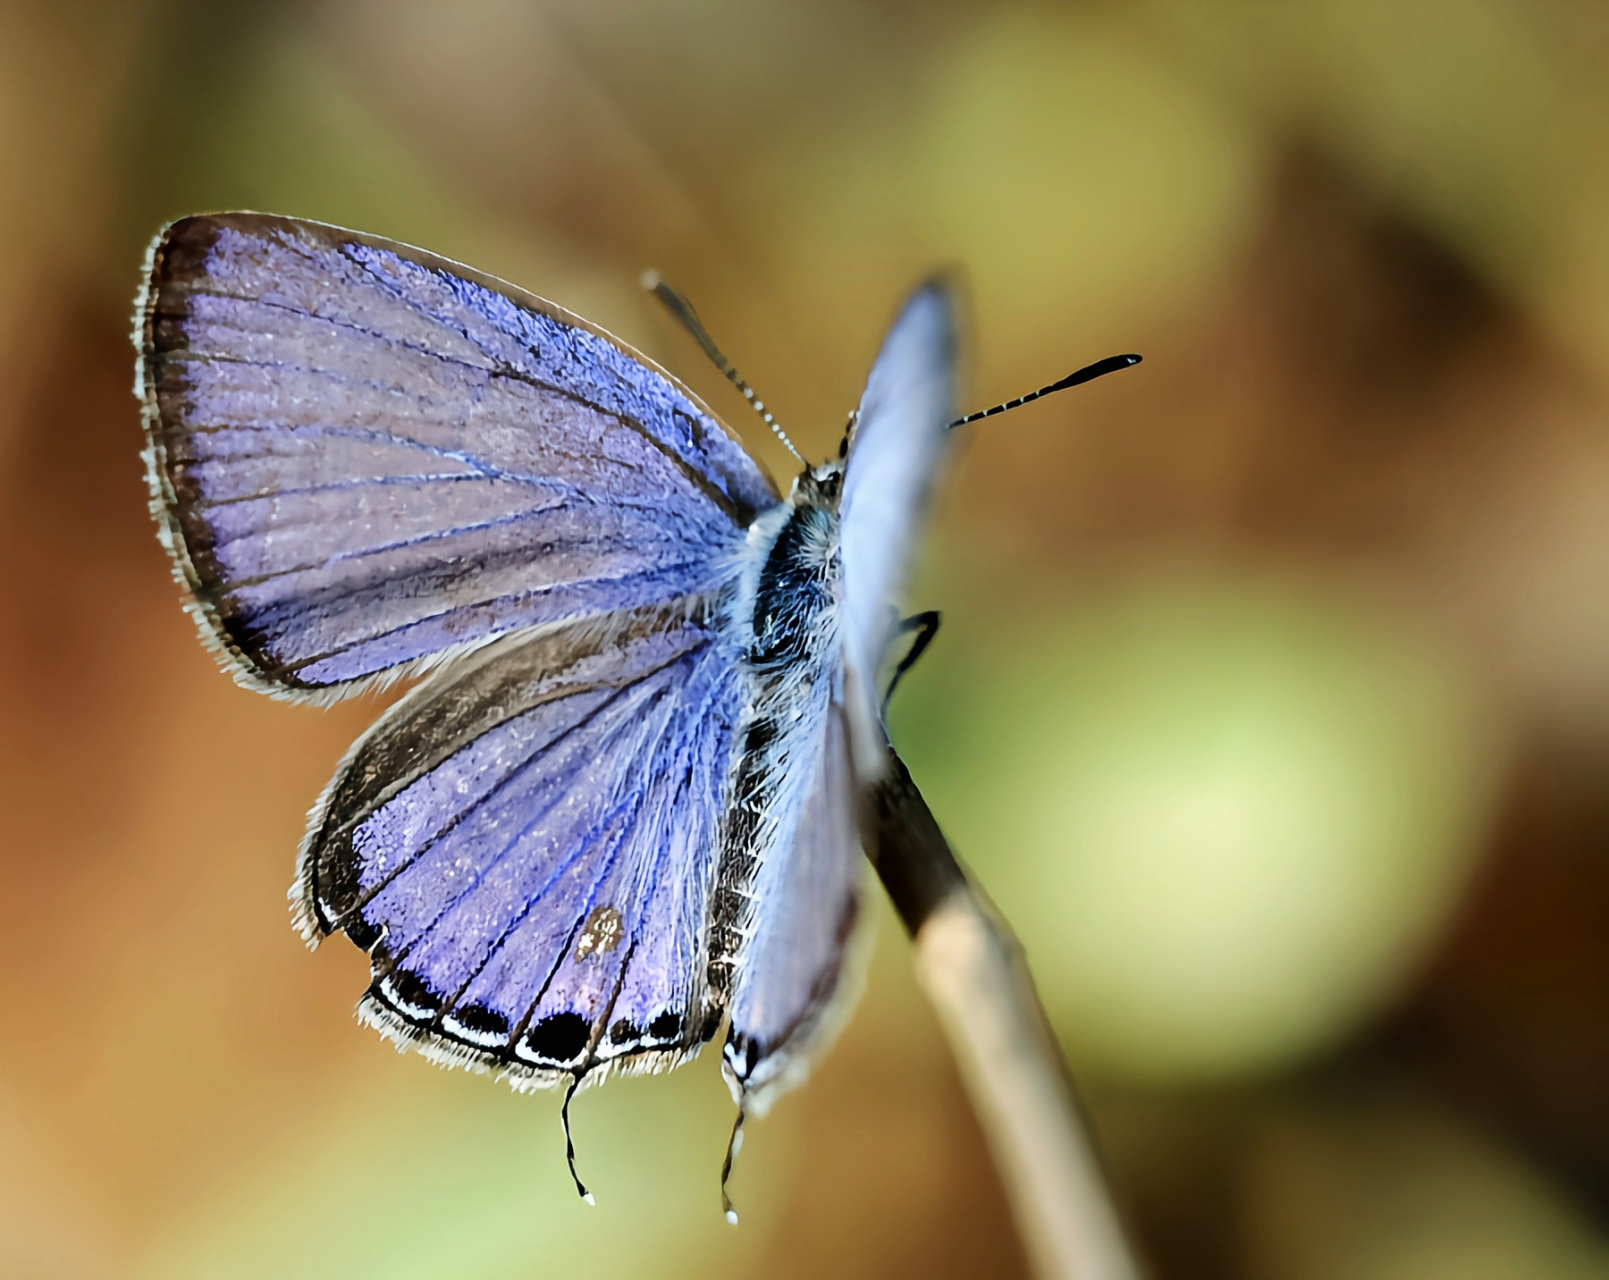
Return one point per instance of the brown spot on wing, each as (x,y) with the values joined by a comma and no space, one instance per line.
(601,933)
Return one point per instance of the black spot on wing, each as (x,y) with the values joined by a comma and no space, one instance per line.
(408,994)
(743,1054)
(560,1040)
(363,934)
(479,1020)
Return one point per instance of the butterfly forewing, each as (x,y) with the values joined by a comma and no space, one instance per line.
(896,452)
(364,456)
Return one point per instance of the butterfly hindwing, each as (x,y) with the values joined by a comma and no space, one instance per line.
(363,456)
(797,972)
(525,845)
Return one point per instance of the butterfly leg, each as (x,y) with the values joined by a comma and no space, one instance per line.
(734,1144)
(569,1144)
(926,625)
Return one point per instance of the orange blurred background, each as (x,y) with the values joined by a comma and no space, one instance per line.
(1272,703)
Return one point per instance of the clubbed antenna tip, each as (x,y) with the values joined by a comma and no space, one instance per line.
(1087,374)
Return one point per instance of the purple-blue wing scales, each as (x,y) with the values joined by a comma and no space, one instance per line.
(525,844)
(363,456)
(897,448)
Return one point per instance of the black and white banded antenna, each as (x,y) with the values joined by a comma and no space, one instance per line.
(1087,374)
(682,309)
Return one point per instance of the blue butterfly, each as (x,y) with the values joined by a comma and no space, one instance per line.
(620,809)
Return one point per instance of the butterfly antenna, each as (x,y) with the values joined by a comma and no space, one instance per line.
(569,1146)
(682,309)
(734,1144)
(1087,374)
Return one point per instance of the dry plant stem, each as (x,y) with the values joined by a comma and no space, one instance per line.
(972,968)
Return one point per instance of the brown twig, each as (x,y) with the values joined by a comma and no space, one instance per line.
(972,968)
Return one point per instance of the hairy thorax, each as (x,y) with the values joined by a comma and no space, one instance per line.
(786,618)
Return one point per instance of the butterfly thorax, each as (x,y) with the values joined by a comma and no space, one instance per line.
(785,617)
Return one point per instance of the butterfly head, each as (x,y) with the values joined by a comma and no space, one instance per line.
(819,486)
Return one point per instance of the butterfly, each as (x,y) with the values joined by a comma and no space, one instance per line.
(619,809)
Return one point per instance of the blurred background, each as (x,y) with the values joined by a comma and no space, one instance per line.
(1272,702)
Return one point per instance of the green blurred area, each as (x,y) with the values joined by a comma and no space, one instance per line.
(1271,705)
(1225,817)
